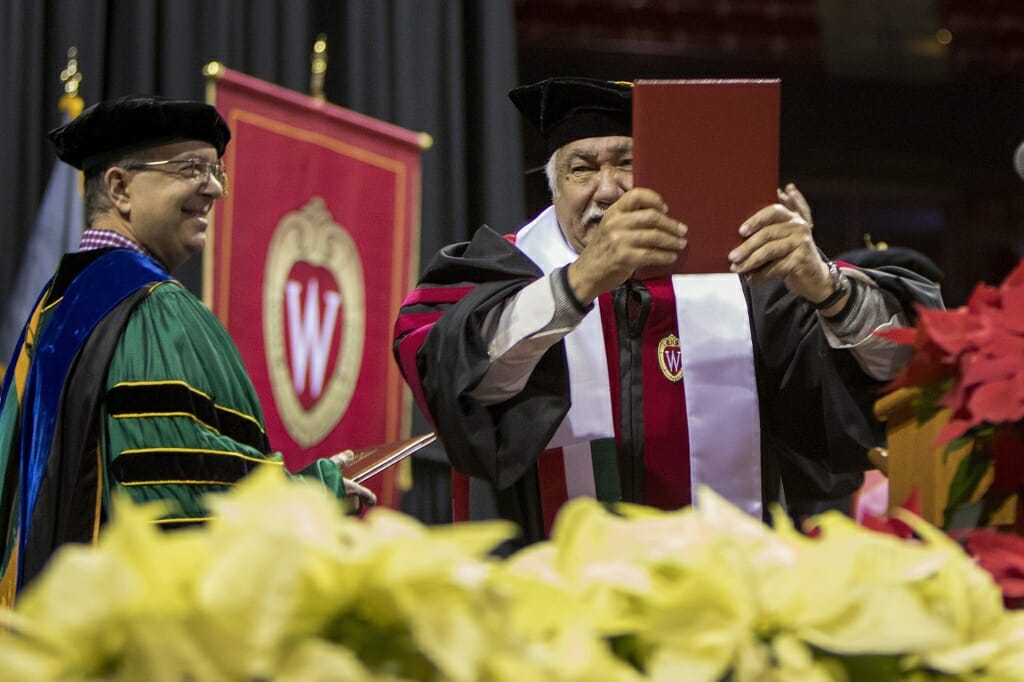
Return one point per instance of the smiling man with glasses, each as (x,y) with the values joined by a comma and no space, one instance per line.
(124,382)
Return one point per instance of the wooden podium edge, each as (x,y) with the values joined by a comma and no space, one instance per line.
(889,405)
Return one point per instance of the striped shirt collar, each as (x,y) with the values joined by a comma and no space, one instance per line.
(105,239)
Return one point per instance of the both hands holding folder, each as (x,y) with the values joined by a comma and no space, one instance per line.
(636,232)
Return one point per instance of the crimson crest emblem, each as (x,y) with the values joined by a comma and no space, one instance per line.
(314,321)
(670,358)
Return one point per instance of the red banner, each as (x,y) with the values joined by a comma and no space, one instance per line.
(308,258)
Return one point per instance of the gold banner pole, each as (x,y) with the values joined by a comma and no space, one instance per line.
(318,67)
(70,102)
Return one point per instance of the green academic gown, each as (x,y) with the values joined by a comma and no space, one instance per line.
(154,402)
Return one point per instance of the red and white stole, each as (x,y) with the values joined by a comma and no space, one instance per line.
(701,430)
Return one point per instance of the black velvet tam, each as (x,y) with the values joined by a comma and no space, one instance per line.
(567,109)
(109,130)
(904,257)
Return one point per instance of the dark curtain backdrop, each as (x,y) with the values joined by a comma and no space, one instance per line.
(439,66)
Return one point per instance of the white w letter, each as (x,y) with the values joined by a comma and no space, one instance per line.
(674,361)
(310,341)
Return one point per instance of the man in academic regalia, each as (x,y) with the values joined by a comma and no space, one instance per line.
(123,381)
(550,372)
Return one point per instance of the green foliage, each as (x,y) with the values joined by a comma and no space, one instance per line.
(965,484)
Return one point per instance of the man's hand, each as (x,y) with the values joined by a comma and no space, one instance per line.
(634,232)
(792,199)
(343,458)
(363,496)
(778,243)
(360,496)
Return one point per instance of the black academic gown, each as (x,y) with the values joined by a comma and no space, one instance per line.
(815,402)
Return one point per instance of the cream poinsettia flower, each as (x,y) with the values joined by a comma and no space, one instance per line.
(282,585)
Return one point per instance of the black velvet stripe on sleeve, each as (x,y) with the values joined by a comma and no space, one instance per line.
(171,398)
(495,442)
(151,467)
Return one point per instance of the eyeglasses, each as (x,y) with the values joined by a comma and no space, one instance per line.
(192,169)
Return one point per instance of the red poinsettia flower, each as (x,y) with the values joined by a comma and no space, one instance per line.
(958,425)
(893,526)
(929,363)
(1002,555)
(979,350)
(950,330)
(970,361)
(983,296)
(1013,303)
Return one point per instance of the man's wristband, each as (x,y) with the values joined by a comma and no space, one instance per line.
(841,288)
(570,296)
(841,315)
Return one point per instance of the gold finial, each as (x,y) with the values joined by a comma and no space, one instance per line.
(213,69)
(874,246)
(70,103)
(318,67)
(425,139)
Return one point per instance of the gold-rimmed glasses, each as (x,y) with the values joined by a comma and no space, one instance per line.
(191,168)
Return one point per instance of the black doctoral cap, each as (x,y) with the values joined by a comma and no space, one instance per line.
(904,257)
(566,109)
(109,130)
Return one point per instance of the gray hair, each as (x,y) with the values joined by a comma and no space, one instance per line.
(94,190)
(94,194)
(551,173)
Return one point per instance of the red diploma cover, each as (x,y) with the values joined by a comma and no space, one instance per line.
(369,462)
(710,148)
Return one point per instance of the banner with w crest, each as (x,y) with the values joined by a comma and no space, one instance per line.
(310,255)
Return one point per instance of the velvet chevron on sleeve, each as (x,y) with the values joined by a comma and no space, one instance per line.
(443,357)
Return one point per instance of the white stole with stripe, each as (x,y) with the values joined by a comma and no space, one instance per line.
(718,374)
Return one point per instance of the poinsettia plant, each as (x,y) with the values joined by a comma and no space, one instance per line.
(1002,555)
(280,585)
(970,361)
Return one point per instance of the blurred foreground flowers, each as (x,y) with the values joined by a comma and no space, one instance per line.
(283,586)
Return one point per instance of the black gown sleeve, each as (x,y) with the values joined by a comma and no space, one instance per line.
(816,403)
(496,442)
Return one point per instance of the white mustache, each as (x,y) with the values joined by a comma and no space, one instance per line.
(593,216)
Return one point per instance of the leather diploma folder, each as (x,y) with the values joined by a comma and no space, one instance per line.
(710,148)
(373,460)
